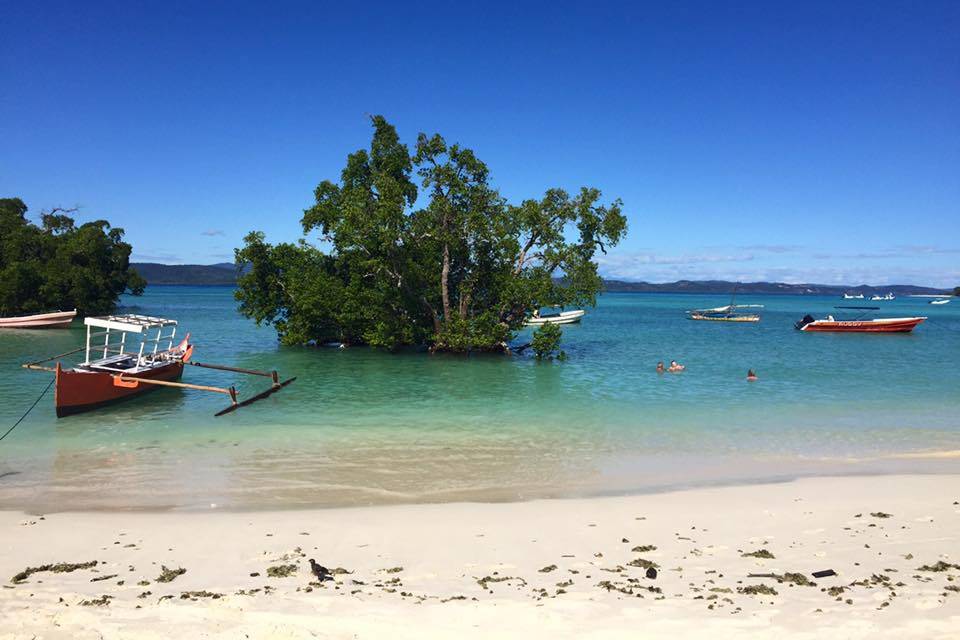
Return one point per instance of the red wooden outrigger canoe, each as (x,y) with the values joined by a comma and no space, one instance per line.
(859,324)
(116,368)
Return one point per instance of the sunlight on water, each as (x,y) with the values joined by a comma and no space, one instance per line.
(360,426)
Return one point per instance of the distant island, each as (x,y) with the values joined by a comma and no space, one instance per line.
(724,286)
(225,273)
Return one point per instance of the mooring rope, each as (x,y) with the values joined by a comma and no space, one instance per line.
(941,325)
(35,403)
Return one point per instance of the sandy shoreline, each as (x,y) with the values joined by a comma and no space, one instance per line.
(550,568)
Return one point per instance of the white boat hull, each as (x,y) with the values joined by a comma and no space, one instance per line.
(55,320)
(566,317)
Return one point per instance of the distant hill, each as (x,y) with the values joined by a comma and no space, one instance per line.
(224,273)
(722,286)
(154,273)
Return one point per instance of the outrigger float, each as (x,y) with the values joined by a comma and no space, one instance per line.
(136,354)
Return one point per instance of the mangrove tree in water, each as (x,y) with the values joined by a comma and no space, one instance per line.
(420,249)
(59,265)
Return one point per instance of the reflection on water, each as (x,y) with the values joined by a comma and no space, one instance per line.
(361,426)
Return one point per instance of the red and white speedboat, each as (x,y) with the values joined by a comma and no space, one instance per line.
(859,324)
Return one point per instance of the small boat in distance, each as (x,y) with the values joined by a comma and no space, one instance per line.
(54,320)
(878,297)
(850,296)
(127,355)
(859,324)
(940,301)
(728,313)
(564,317)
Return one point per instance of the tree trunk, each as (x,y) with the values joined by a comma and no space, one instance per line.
(444,282)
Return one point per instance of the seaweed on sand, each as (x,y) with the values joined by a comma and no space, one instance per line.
(60,567)
(643,563)
(938,567)
(796,578)
(193,595)
(759,553)
(758,589)
(169,575)
(485,581)
(281,571)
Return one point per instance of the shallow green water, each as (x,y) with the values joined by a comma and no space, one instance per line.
(360,426)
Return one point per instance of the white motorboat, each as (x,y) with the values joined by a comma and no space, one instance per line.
(940,301)
(564,317)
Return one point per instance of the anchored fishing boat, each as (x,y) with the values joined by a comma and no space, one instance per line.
(728,313)
(564,317)
(127,355)
(859,324)
(54,320)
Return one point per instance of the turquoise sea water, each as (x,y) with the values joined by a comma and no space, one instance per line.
(361,426)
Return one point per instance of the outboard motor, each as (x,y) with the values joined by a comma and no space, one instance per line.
(800,324)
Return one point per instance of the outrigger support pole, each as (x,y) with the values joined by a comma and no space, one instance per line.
(223,367)
(37,364)
(121,378)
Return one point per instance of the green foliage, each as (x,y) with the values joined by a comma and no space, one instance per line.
(458,274)
(59,265)
(956,291)
(546,341)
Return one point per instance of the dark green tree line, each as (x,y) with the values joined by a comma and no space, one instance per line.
(423,250)
(59,265)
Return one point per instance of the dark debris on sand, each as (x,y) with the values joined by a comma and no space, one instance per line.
(169,575)
(281,571)
(60,567)
(758,589)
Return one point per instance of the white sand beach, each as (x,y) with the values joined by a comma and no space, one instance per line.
(545,569)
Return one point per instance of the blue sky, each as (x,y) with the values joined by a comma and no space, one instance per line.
(815,142)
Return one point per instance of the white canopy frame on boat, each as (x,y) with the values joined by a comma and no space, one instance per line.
(152,332)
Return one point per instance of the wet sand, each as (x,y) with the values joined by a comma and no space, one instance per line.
(730,562)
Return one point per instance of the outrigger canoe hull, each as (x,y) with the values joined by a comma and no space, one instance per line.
(880,325)
(76,391)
